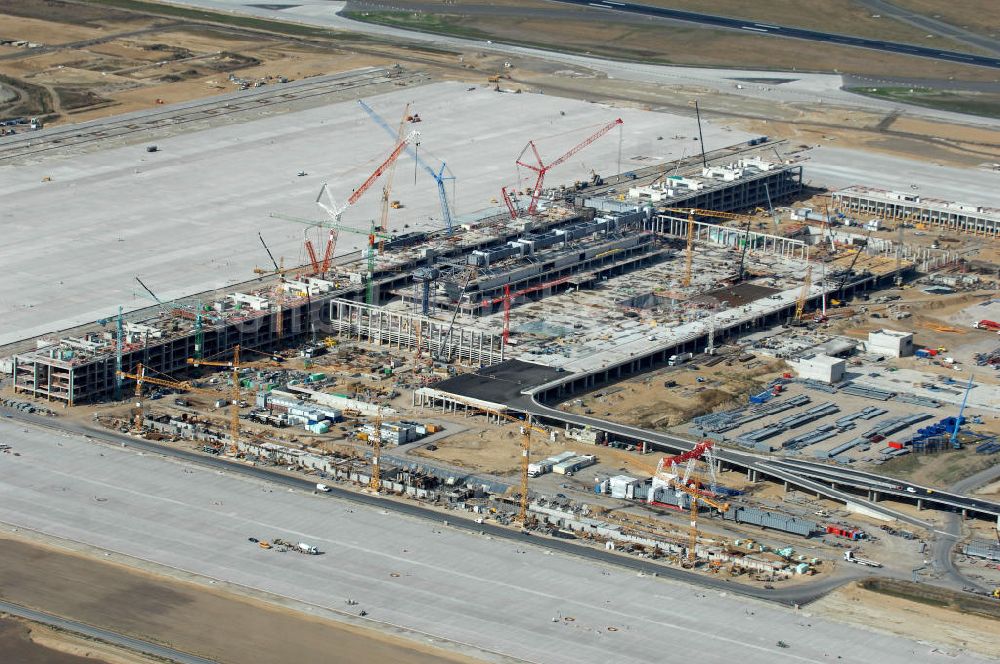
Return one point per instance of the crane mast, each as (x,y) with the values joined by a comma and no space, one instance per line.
(800,304)
(507,298)
(375,483)
(387,185)
(438,176)
(234,410)
(541,169)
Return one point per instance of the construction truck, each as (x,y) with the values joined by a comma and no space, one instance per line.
(307,549)
(989,325)
(851,558)
(679,359)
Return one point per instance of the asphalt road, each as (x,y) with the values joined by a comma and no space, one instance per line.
(816,477)
(101,634)
(944,547)
(932,25)
(793,33)
(789,596)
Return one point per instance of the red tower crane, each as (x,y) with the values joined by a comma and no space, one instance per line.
(508,297)
(541,169)
(695,452)
(509,201)
(335,210)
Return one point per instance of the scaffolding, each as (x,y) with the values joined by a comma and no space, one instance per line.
(404,331)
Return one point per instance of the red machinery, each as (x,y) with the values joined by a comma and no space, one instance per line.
(541,169)
(507,297)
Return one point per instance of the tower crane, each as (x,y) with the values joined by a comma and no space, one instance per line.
(526,428)
(234,411)
(541,169)
(372,234)
(743,252)
(439,176)
(800,304)
(696,212)
(375,483)
(508,297)
(141,379)
(687,484)
(279,317)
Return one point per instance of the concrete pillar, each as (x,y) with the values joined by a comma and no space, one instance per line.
(920,503)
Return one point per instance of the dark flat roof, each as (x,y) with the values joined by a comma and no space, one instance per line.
(500,383)
(737,295)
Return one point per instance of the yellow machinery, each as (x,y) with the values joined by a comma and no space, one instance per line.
(526,429)
(800,304)
(691,213)
(375,483)
(234,422)
(141,378)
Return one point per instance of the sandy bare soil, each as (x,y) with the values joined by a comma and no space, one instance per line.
(645,401)
(911,619)
(18,644)
(26,642)
(494,450)
(173,612)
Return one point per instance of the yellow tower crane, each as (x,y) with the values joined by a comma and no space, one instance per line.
(375,484)
(387,187)
(800,304)
(694,497)
(688,483)
(526,429)
(692,213)
(234,411)
(141,379)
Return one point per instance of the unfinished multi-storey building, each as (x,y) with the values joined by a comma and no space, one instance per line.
(916,209)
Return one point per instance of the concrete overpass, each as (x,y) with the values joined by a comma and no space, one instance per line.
(515,387)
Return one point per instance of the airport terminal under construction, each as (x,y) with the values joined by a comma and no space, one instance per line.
(626,360)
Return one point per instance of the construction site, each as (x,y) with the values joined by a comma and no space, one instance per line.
(690,359)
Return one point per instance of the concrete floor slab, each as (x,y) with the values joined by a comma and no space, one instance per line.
(522,602)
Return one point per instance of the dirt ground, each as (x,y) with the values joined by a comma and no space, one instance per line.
(494,450)
(910,619)
(170,611)
(646,402)
(141,59)
(26,642)
(939,470)
(126,71)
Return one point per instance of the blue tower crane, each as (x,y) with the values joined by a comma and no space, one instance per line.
(959,420)
(438,176)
